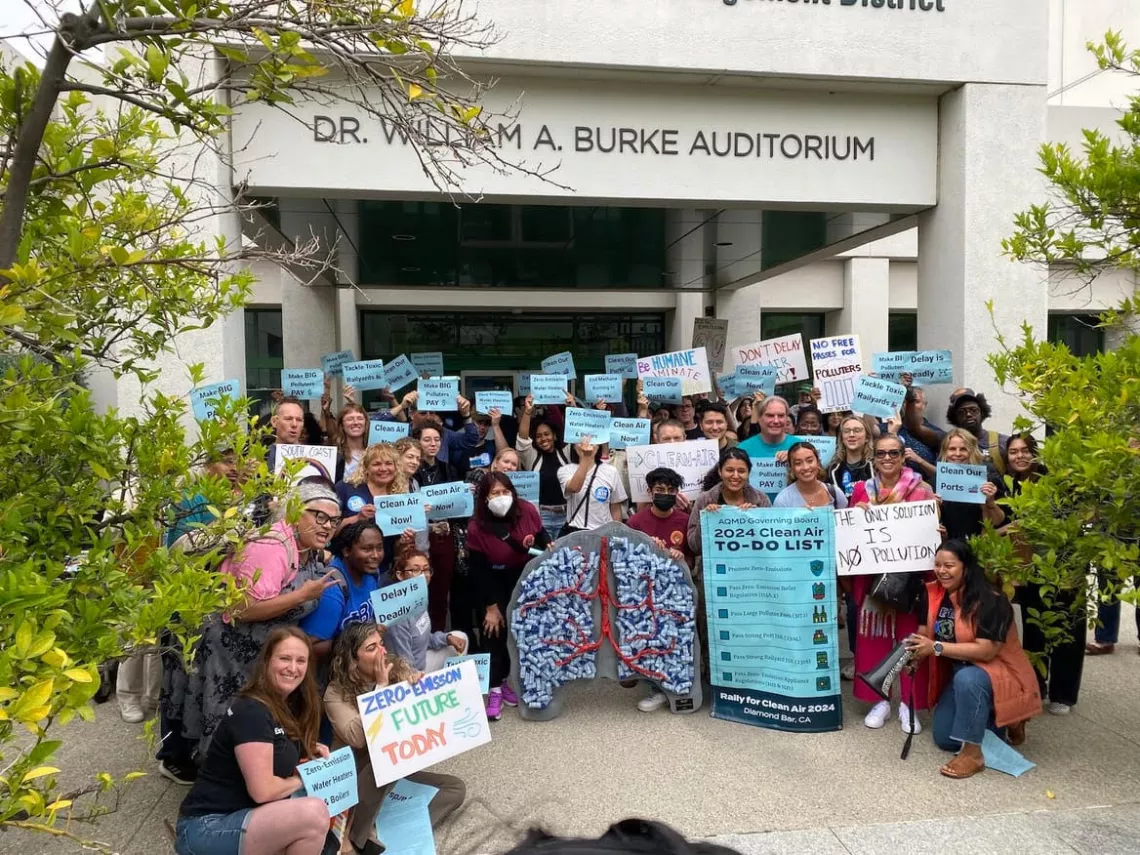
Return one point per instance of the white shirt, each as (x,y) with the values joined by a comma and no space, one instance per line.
(606,489)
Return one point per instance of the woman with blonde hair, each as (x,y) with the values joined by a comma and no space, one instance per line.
(962,520)
(379,474)
(352,438)
(410,455)
(853,455)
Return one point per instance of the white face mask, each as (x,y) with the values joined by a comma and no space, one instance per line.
(499,505)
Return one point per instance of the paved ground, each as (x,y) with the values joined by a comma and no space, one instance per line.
(763,791)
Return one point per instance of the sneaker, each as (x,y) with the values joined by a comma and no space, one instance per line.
(847,672)
(878,715)
(904,720)
(1058,708)
(495,705)
(183,774)
(653,702)
(509,696)
(132,714)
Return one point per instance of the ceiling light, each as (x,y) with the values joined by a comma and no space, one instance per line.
(403,237)
(724,243)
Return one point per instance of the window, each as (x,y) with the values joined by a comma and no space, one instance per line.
(787,235)
(779,324)
(264,353)
(902,331)
(1080,333)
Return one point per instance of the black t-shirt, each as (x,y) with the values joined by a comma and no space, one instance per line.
(549,487)
(695,433)
(220,787)
(963,519)
(992,625)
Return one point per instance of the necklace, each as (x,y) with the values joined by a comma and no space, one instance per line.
(808,500)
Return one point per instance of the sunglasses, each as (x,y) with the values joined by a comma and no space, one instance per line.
(892,454)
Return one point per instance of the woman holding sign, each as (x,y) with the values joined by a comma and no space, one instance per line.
(544,456)
(241,803)
(805,489)
(352,438)
(965,519)
(379,474)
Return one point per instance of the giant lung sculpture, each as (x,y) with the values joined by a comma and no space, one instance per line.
(607,603)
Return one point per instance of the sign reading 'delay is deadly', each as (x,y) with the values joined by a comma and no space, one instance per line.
(395,603)
(837,363)
(582,423)
(332,779)
(901,538)
(692,460)
(961,482)
(402,511)
(203,399)
(448,501)
(877,397)
(690,365)
(411,727)
(926,367)
(711,334)
(785,354)
(770,592)
(365,376)
(303,383)
(624,364)
(627,432)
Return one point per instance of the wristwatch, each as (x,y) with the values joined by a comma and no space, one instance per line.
(938,648)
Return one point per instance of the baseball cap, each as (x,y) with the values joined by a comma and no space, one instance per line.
(961,395)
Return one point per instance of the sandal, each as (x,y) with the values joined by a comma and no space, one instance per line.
(963,767)
(1015,733)
(1092,648)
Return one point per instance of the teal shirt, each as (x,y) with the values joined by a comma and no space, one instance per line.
(756,448)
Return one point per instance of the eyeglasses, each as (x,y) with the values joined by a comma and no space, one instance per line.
(322,519)
(884,454)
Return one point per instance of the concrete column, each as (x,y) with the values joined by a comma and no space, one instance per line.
(988,139)
(347,316)
(308,322)
(685,266)
(866,304)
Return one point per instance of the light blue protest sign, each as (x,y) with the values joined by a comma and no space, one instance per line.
(768,475)
(204,399)
(386,431)
(331,363)
(332,779)
(624,364)
(494,399)
(727,384)
(756,378)
(482,667)
(582,423)
(526,484)
(877,397)
(366,375)
(561,363)
(627,432)
(449,501)
(548,388)
(400,372)
(303,383)
(961,482)
(402,511)
(438,394)
(825,445)
(523,378)
(662,390)
(430,364)
(395,603)
(603,387)
(403,822)
(926,367)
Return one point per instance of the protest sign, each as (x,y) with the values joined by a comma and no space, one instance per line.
(770,595)
(526,484)
(438,394)
(690,366)
(303,383)
(523,379)
(837,364)
(768,475)
(926,367)
(663,390)
(386,431)
(548,388)
(449,501)
(582,422)
(961,482)
(400,372)
(603,387)
(366,375)
(428,364)
(399,602)
(692,460)
(399,512)
(785,353)
(624,364)
(727,384)
(205,399)
(560,363)
(482,665)
(331,363)
(877,397)
(898,538)
(411,727)
(627,432)
(755,378)
(332,779)
(711,334)
(494,399)
(404,820)
(319,460)
(825,445)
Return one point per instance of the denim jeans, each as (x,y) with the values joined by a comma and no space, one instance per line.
(1108,619)
(212,834)
(552,521)
(965,709)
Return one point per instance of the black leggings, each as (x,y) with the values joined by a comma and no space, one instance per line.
(1065,664)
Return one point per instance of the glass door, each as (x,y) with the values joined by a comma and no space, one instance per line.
(487,381)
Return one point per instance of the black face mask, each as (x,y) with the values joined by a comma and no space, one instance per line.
(664,501)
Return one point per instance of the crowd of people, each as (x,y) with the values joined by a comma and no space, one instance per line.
(236,724)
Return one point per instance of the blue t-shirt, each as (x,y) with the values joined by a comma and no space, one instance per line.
(335,610)
(756,448)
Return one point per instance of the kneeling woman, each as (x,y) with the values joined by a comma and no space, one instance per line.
(360,665)
(981,677)
(241,802)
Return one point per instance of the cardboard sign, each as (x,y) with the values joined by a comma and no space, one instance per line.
(332,779)
(560,363)
(365,376)
(438,394)
(768,475)
(452,500)
(400,372)
(926,367)
(899,538)
(411,727)
(319,460)
(663,390)
(548,388)
(399,512)
(627,432)
(495,399)
(482,666)
(877,397)
(756,378)
(624,364)
(785,353)
(303,383)
(692,460)
(837,363)
(386,431)
(825,445)
(711,334)
(605,387)
(396,603)
(428,364)
(581,423)
(691,366)
(526,485)
(404,820)
(204,399)
(961,482)
(332,363)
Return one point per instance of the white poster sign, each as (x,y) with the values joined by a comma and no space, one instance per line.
(898,538)
(692,366)
(711,334)
(320,460)
(692,460)
(837,362)
(785,354)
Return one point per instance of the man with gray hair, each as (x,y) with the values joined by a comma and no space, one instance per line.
(771,413)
